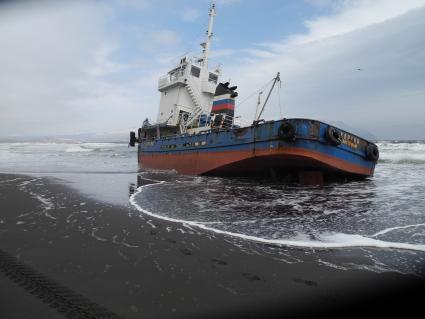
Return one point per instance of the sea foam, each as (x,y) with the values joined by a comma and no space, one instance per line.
(324,240)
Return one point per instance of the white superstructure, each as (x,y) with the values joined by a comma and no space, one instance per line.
(187,91)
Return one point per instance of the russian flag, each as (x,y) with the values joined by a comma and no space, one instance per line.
(223,105)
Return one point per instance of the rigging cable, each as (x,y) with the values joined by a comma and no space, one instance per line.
(278,92)
(256,92)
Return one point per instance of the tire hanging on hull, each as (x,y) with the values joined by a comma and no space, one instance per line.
(286,131)
(333,136)
(372,152)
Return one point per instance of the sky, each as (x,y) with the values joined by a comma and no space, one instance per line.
(74,67)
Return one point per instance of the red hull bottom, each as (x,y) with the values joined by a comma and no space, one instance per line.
(250,162)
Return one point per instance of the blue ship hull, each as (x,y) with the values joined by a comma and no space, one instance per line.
(276,147)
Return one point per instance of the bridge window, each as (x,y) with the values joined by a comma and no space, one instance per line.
(195,71)
(213,78)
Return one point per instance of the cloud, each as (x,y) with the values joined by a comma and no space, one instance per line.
(258,53)
(57,70)
(100,74)
(165,37)
(321,3)
(159,44)
(103,63)
(222,52)
(353,15)
(226,2)
(190,14)
(134,4)
(320,68)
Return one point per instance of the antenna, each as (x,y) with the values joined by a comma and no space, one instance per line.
(207,44)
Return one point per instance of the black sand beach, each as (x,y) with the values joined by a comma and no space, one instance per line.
(130,266)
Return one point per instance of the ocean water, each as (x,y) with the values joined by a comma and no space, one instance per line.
(376,224)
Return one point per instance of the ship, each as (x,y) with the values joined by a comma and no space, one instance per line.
(196,133)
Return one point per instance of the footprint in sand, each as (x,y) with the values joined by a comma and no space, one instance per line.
(219,262)
(310,283)
(250,276)
(186,251)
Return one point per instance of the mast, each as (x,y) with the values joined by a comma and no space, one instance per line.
(276,79)
(207,44)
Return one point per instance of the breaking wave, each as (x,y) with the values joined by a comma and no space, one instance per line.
(66,157)
(78,148)
(402,152)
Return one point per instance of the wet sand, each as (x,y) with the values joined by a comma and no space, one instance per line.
(139,267)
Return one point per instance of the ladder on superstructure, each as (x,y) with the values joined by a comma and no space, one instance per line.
(197,110)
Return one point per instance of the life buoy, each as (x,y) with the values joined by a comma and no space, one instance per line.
(286,131)
(372,152)
(333,135)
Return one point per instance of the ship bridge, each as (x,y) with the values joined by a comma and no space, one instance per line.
(187,91)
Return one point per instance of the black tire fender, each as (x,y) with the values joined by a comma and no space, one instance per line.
(372,152)
(333,135)
(132,139)
(286,131)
